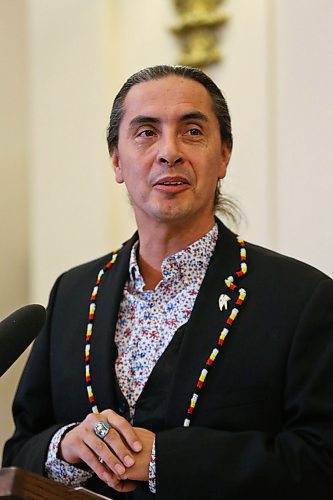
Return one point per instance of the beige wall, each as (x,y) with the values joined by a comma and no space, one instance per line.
(14,175)
(14,162)
(304,145)
(61,64)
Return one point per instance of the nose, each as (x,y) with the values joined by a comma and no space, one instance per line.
(168,153)
(169,163)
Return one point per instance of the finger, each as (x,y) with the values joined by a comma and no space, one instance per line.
(124,428)
(123,486)
(101,470)
(115,457)
(86,455)
(82,445)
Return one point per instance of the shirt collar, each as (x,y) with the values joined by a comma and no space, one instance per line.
(197,255)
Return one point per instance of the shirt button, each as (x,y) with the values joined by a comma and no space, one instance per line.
(122,408)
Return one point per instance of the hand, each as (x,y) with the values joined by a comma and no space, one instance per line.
(109,458)
(140,470)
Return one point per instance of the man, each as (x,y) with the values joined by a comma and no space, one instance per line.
(188,364)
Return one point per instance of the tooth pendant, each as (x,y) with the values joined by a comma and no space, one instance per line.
(223,301)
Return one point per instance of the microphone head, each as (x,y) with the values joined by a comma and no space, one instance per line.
(17,331)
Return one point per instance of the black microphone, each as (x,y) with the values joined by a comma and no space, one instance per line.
(17,331)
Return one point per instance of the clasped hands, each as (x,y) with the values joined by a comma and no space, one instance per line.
(119,459)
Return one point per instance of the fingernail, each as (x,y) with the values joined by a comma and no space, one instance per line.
(128,461)
(120,469)
(137,446)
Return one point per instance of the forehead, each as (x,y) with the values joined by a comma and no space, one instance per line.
(167,97)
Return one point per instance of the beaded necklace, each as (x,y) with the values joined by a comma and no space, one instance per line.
(90,325)
(231,284)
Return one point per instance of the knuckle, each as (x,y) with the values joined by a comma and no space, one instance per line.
(109,414)
(112,434)
(106,412)
(90,419)
(99,446)
(122,423)
(84,432)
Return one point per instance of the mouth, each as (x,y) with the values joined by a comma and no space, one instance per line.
(172,181)
(171,185)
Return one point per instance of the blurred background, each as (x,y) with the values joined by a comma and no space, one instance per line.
(62,62)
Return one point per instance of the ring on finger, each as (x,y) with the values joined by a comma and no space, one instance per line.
(101,429)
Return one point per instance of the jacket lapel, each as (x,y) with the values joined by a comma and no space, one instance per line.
(103,349)
(205,324)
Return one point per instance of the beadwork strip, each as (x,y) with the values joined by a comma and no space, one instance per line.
(90,326)
(230,282)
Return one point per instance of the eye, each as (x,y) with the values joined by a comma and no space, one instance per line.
(193,131)
(146,133)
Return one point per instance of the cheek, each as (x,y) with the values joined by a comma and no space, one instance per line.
(220,163)
(210,170)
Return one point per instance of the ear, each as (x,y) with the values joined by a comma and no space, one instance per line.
(225,157)
(118,174)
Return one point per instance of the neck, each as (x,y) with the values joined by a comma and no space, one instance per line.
(158,243)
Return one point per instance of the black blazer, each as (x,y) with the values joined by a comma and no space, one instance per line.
(263,425)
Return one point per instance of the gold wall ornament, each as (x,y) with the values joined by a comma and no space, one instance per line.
(198,31)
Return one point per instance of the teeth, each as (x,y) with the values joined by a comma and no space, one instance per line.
(172,183)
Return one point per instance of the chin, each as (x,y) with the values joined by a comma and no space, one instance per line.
(172,214)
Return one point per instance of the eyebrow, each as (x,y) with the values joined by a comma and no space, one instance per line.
(140,119)
(195,115)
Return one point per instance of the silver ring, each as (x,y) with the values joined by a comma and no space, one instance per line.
(101,429)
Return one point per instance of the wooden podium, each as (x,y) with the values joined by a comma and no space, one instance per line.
(19,484)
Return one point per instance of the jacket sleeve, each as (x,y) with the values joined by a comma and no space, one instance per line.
(32,407)
(297,462)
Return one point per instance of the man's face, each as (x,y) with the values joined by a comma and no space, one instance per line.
(169,152)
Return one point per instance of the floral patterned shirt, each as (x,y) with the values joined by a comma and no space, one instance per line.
(148,319)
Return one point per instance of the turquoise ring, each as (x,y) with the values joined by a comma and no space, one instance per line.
(101,429)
